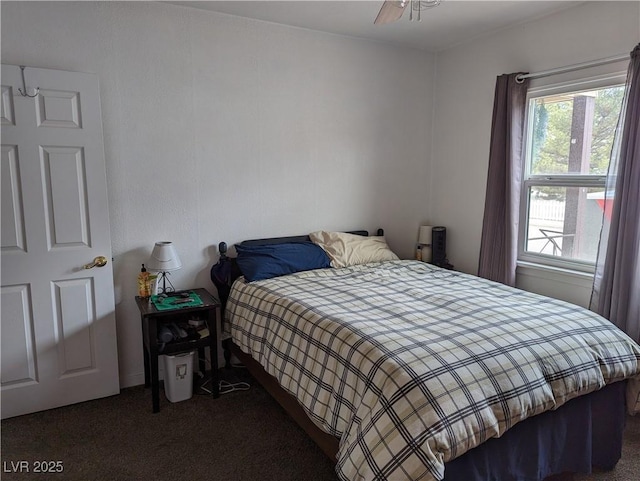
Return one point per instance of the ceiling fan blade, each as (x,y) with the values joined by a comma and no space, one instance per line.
(390,11)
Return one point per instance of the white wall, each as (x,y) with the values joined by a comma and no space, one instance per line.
(465,85)
(221,128)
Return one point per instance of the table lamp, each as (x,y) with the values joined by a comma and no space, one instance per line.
(164,259)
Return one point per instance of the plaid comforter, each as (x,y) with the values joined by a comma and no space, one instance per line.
(411,365)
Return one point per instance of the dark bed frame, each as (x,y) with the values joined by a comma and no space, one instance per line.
(590,427)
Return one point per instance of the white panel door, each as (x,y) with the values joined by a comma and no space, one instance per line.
(57,322)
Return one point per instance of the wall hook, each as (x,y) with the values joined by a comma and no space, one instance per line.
(24,85)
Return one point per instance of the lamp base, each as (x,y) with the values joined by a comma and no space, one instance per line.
(164,288)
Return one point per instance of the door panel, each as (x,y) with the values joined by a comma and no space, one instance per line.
(12,224)
(73,301)
(58,323)
(56,108)
(18,343)
(64,176)
(6,106)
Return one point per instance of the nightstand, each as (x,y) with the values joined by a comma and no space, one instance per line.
(152,319)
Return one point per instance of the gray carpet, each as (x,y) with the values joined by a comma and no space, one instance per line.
(241,436)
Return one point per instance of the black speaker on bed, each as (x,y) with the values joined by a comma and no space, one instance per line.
(439,246)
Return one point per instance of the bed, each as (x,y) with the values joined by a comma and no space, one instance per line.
(402,370)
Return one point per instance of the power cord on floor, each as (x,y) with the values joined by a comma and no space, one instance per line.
(224,387)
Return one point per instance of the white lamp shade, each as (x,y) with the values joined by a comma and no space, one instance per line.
(164,258)
(424,235)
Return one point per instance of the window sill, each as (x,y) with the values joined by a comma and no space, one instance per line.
(558,274)
(557,282)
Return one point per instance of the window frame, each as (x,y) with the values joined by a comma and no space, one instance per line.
(529,180)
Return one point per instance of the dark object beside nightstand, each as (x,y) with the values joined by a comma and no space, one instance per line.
(152,319)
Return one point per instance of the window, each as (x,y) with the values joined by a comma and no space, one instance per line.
(570,133)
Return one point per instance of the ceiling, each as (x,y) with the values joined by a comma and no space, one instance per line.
(452,23)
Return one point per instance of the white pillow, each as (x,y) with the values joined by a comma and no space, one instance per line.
(350,249)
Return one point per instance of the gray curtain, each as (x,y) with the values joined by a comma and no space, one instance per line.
(498,245)
(616,287)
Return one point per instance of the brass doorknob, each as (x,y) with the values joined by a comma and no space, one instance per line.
(99,261)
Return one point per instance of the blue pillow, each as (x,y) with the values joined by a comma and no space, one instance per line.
(272,260)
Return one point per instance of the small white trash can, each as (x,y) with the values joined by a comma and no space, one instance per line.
(178,376)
